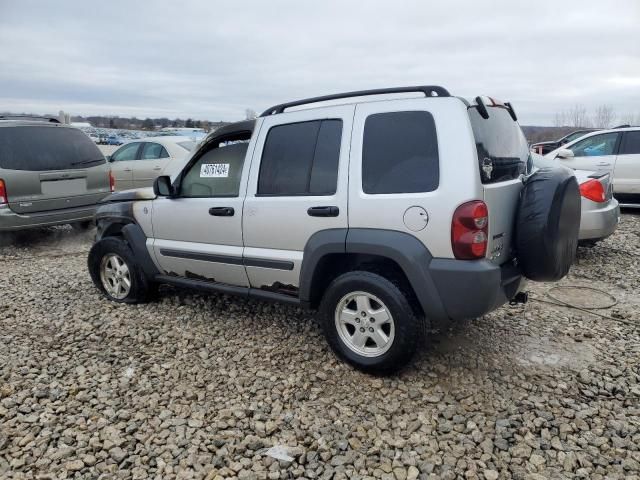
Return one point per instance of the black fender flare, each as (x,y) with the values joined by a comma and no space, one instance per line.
(122,214)
(411,255)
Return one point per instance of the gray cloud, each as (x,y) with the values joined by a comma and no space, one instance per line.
(214,59)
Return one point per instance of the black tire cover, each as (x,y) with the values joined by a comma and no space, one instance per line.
(547,224)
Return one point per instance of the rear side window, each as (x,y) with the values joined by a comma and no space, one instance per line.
(37,148)
(400,153)
(630,143)
(152,151)
(216,173)
(502,149)
(301,159)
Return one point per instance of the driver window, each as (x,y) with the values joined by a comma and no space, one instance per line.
(126,152)
(217,173)
(596,146)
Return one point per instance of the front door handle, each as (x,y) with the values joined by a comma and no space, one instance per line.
(126,170)
(323,211)
(603,164)
(221,211)
(157,168)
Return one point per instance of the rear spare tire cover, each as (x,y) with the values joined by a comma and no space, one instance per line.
(547,224)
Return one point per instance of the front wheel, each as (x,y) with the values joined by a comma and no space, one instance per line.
(115,272)
(369,322)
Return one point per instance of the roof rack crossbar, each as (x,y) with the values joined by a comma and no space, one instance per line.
(20,116)
(428,90)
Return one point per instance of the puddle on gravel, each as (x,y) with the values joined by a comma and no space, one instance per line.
(544,352)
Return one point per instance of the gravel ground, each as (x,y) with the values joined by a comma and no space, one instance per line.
(201,387)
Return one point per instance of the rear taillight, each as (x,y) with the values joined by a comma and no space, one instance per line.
(112,182)
(3,193)
(470,230)
(593,190)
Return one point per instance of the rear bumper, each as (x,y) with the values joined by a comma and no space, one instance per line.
(12,221)
(470,289)
(598,222)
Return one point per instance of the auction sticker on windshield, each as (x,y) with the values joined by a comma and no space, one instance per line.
(213,170)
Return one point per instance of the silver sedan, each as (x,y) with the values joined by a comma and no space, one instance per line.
(600,211)
(136,164)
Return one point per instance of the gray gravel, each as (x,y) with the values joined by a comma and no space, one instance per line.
(202,387)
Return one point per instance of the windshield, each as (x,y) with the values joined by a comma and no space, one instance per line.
(503,152)
(573,136)
(188,146)
(40,148)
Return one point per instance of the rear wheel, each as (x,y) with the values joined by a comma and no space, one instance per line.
(115,272)
(369,322)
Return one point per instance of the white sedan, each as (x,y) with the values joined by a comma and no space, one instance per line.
(616,151)
(136,164)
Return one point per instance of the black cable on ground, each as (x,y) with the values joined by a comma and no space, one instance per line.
(561,303)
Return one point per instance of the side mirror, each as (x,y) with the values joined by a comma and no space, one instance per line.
(162,186)
(565,153)
(109,159)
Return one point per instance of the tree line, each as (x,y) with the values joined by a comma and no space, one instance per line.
(134,123)
(604,116)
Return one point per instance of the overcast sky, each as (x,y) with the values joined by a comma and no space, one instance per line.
(213,59)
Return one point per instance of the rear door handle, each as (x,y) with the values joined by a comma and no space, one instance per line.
(603,164)
(157,168)
(126,169)
(221,211)
(323,211)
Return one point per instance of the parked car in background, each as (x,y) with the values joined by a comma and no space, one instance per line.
(616,151)
(114,140)
(600,211)
(137,164)
(50,174)
(545,147)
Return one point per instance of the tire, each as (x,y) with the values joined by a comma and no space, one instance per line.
(404,330)
(109,254)
(82,226)
(547,224)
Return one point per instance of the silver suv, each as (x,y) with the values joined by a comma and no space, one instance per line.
(50,174)
(389,215)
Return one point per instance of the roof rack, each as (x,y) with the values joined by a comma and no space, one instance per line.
(29,117)
(428,90)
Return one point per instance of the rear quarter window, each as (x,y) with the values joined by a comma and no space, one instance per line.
(503,152)
(400,153)
(40,148)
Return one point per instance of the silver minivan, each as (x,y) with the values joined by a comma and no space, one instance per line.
(50,174)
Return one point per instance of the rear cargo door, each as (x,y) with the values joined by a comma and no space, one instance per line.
(50,167)
(503,160)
